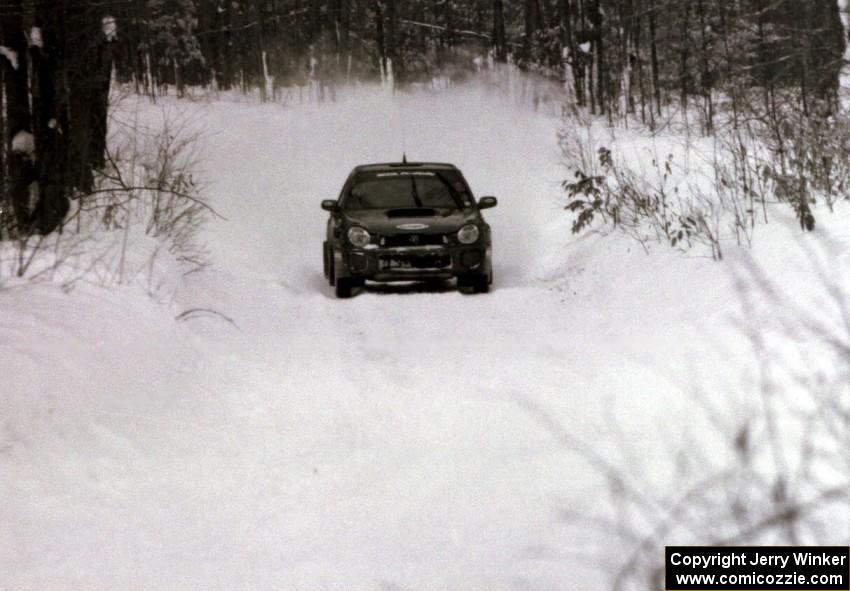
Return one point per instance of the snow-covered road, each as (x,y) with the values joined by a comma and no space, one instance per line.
(398,421)
(408,438)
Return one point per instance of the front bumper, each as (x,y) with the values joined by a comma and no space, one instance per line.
(411,263)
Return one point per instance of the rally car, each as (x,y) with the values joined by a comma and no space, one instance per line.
(407,222)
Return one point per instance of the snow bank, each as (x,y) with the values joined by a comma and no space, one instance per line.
(136,228)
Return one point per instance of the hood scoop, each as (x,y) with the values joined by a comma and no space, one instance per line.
(412,212)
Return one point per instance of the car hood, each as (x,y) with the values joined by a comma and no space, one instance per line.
(388,222)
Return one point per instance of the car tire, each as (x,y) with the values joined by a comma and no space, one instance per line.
(331,266)
(481,284)
(473,283)
(325,265)
(343,287)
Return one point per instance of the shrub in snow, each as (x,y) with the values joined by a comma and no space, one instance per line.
(138,225)
(706,190)
(810,160)
(646,207)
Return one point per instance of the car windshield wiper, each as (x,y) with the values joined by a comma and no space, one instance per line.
(454,194)
(416,198)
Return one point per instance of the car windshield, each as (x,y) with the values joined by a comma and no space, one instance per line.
(407,189)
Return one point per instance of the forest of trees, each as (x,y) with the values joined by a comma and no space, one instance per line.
(641,58)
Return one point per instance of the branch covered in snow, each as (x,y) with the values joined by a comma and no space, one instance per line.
(11,55)
(24,143)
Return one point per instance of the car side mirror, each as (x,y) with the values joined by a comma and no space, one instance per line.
(487,202)
(330,205)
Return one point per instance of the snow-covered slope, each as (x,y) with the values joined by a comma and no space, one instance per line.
(408,438)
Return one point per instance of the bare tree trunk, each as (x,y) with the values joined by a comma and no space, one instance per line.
(87,69)
(5,204)
(315,19)
(381,36)
(731,74)
(638,28)
(684,54)
(449,18)
(706,82)
(804,48)
(101,78)
(230,51)
(653,46)
(345,25)
(147,59)
(391,35)
(49,120)
(626,17)
(261,51)
(532,23)
(599,54)
(827,46)
(500,48)
(18,119)
(568,43)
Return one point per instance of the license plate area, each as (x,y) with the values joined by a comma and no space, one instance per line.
(418,262)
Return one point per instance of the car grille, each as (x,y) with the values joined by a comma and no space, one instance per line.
(399,240)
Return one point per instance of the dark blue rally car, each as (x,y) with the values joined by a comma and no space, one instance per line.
(407,222)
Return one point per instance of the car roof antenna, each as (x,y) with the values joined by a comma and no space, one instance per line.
(404,158)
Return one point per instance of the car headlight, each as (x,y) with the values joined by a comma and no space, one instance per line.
(468,234)
(359,237)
